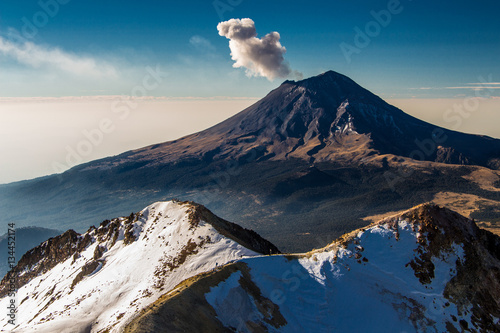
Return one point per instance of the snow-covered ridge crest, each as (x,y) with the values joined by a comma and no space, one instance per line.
(99,280)
(425,270)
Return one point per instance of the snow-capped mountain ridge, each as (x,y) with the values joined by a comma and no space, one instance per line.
(101,279)
(425,270)
(174,266)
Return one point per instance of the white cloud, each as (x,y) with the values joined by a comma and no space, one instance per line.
(260,56)
(485,83)
(482,86)
(37,56)
(201,44)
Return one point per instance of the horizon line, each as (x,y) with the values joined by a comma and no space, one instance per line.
(123,97)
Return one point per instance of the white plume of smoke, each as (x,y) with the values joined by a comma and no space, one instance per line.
(260,56)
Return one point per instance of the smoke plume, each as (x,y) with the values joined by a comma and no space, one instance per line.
(260,56)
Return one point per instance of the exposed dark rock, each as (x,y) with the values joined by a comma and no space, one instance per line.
(58,249)
(476,285)
(248,238)
(129,231)
(87,269)
(450,156)
(43,258)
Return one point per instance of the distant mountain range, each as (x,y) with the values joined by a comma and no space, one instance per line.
(310,161)
(176,267)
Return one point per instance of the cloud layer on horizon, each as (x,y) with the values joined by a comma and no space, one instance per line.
(259,56)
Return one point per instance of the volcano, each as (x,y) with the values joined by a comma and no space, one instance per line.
(310,161)
(324,118)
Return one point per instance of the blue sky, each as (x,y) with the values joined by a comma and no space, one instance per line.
(110,43)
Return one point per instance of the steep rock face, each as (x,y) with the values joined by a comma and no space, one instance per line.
(26,239)
(52,252)
(451,156)
(248,238)
(99,280)
(426,270)
(475,286)
(43,258)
